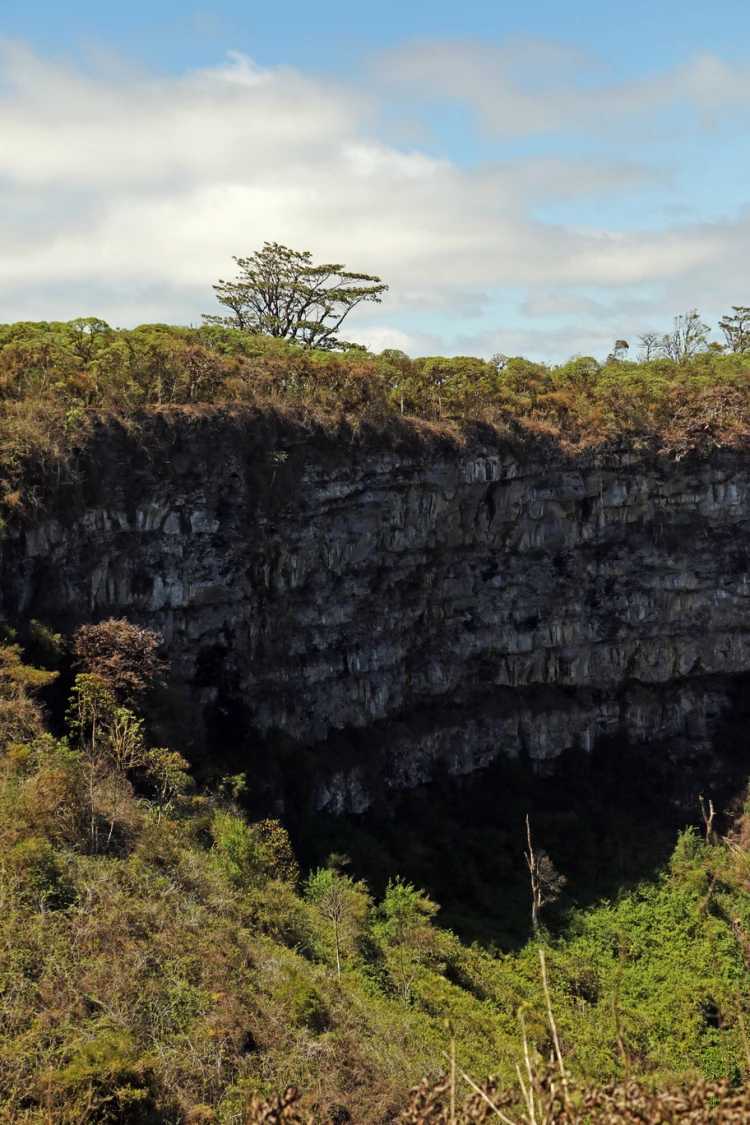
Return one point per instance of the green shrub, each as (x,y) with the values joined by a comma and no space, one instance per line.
(303,1003)
(37,874)
(238,853)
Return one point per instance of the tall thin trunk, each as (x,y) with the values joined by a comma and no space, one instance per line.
(534,875)
(338,954)
(92,808)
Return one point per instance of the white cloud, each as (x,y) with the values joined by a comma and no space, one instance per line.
(570,303)
(377,337)
(529,86)
(125,195)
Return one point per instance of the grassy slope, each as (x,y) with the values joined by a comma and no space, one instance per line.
(161,976)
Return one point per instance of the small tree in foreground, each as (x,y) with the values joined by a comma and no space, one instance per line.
(279,292)
(91,709)
(167,771)
(280,860)
(407,914)
(341,901)
(110,742)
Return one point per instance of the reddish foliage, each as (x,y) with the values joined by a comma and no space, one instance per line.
(122,655)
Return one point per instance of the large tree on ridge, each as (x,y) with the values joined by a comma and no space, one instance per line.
(280,292)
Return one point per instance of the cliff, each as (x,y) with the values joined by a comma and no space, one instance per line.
(451,600)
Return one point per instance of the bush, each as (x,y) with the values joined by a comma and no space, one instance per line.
(36,874)
(303,1003)
(238,853)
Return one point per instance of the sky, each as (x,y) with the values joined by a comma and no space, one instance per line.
(540,178)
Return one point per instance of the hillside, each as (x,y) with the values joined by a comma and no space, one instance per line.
(165,962)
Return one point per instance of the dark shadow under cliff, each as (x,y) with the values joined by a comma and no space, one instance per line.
(609,818)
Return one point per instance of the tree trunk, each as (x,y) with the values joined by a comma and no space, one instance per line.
(534,874)
(338,955)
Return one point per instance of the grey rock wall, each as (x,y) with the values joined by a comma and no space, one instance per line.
(456,603)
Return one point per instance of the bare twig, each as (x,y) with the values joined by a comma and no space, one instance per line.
(528,1097)
(553,1026)
(490,1103)
(477,1089)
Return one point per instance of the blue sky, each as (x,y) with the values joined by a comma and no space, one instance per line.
(633,38)
(535,178)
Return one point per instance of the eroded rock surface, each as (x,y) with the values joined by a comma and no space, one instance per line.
(459,603)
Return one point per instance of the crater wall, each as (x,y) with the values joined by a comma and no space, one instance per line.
(455,601)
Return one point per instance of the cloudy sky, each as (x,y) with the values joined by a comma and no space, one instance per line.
(537,178)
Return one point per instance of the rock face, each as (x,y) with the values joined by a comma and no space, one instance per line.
(452,603)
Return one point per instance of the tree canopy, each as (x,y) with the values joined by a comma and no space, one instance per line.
(280,292)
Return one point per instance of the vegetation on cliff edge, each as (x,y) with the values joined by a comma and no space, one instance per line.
(57,378)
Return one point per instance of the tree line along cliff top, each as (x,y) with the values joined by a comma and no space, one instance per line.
(56,377)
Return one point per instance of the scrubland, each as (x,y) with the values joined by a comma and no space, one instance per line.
(165,960)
